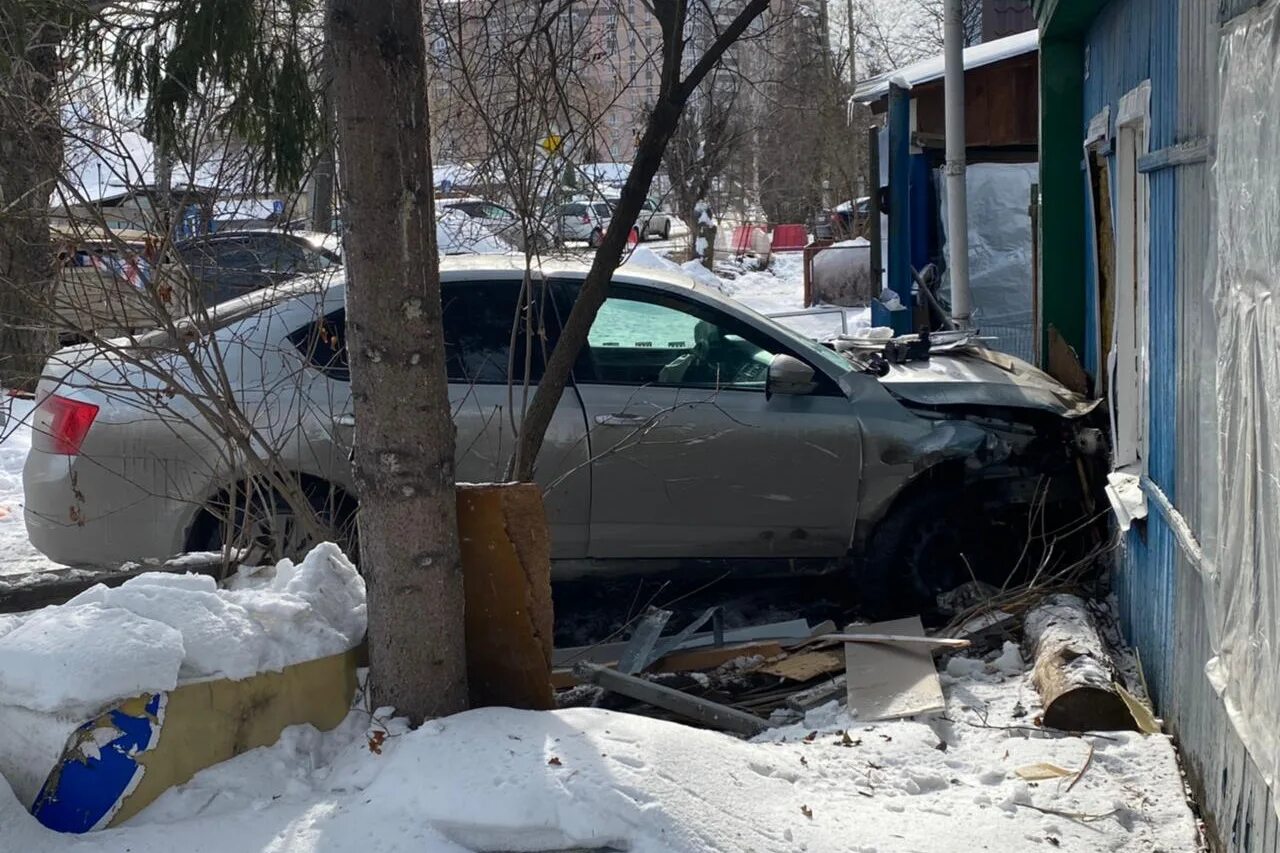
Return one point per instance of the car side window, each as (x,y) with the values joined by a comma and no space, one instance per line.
(323,343)
(667,343)
(479,317)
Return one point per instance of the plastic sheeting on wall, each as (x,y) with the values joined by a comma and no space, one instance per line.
(1000,263)
(1244,606)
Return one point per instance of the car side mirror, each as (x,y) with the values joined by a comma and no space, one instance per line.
(789,375)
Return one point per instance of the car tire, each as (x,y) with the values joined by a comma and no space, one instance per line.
(596,238)
(666,230)
(268,526)
(915,554)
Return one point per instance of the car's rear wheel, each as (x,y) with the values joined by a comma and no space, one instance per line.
(597,236)
(269,527)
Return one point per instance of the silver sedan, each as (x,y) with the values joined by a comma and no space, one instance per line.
(694,430)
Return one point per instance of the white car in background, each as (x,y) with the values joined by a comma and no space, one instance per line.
(655,221)
(584,220)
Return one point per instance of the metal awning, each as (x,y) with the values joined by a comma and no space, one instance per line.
(928,70)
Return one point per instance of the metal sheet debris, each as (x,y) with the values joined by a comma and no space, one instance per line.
(888,681)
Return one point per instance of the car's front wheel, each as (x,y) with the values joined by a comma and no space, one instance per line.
(930,543)
(666,230)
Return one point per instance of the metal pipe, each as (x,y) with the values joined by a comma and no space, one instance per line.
(899,191)
(957,196)
(873,210)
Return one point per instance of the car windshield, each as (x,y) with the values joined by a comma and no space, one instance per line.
(808,346)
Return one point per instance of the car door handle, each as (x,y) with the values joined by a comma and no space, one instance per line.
(345,420)
(620,419)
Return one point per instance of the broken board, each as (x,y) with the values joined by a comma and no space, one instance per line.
(806,666)
(888,681)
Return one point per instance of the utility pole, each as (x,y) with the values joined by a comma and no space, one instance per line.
(957,195)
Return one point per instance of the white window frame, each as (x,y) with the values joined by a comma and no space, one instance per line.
(1129,359)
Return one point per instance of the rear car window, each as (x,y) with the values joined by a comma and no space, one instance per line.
(323,343)
(573,210)
(478,320)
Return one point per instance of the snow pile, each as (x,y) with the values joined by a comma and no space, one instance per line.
(76,659)
(643,256)
(158,629)
(62,665)
(17,556)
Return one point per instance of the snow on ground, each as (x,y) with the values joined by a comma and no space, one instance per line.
(498,779)
(17,556)
(780,289)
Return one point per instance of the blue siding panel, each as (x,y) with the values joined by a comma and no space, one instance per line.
(1161,595)
(1132,41)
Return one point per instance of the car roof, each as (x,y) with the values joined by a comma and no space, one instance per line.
(553,266)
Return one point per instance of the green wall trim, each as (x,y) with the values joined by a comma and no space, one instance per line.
(1063,19)
(1062,198)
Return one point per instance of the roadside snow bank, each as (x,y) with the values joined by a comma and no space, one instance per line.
(499,779)
(62,665)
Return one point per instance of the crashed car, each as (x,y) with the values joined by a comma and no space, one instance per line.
(695,433)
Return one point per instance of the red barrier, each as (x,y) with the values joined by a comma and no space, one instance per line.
(743,237)
(790,238)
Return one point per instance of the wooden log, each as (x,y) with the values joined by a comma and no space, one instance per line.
(1072,669)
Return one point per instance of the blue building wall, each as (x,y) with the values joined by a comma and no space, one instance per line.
(1159,585)
(1130,42)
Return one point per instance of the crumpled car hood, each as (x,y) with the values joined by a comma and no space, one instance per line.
(978,376)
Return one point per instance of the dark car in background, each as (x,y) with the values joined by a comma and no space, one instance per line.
(229,264)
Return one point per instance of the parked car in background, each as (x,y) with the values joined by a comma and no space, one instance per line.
(882,474)
(654,221)
(584,220)
(501,221)
(228,264)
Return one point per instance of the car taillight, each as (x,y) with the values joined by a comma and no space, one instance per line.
(586,220)
(61,425)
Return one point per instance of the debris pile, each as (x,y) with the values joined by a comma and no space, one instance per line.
(748,680)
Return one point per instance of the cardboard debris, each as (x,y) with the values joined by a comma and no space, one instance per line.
(1043,770)
(887,681)
(1142,716)
(806,666)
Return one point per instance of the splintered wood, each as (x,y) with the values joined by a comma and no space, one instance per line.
(887,681)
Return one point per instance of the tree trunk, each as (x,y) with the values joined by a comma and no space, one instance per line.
(30,161)
(326,165)
(404,444)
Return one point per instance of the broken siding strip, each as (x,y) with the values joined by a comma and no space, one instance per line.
(1182,532)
